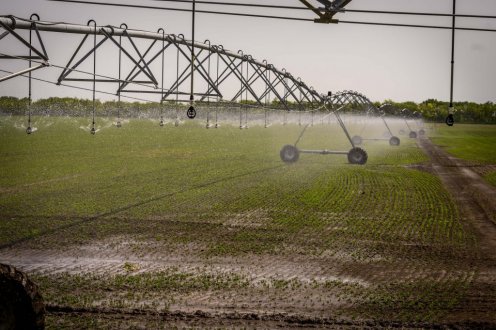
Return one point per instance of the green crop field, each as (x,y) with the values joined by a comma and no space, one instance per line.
(473,143)
(469,142)
(187,218)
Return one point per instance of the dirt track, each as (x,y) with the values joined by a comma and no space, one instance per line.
(476,200)
(475,197)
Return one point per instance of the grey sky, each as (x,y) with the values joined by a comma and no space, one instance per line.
(381,62)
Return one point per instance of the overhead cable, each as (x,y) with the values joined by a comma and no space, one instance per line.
(287,17)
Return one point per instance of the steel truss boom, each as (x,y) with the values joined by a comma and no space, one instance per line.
(259,78)
(356,99)
(352,98)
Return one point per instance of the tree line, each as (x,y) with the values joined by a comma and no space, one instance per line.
(436,111)
(431,110)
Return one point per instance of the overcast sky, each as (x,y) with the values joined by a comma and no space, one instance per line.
(381,62)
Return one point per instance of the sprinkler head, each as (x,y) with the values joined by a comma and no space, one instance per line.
(191,113)
(176,123)
(118,124)
(29,130)
(93,131)
(161,123)
(450,121)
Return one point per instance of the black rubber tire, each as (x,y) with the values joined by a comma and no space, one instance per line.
(357,140)
(357,156)
(412,135)
(289,154)
(421,132)
(21,304)
(394,141)
(402,132)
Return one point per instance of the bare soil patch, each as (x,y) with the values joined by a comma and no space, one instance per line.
(476,200)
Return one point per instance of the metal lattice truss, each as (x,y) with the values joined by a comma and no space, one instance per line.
(40,53)
(214,67)
(357,101)
(354,101)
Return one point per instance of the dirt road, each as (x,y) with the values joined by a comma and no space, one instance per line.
(476,200)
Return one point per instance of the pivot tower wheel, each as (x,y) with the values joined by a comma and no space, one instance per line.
(413,135)
(421,132)
(394,141)
(289,154)
(357,156)
(357,140)
(21,305)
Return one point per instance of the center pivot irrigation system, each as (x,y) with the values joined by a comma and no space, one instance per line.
(146,66)
(213,63)
(351,101)
(142,67)
(406,114)
(356,100)
(325,10)
(216,66)
(356,155)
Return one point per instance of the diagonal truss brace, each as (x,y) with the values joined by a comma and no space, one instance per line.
(107,36)
(186,73)
(201,69)
(240,77)
(133,74)
(40,54)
